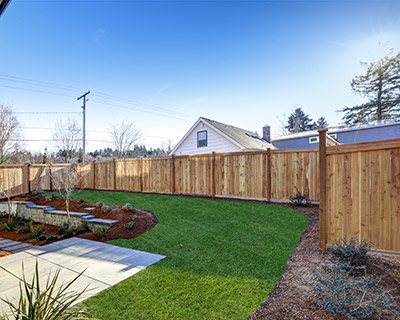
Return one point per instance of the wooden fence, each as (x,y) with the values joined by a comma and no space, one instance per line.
(357,185)
(361,193)
(269,175)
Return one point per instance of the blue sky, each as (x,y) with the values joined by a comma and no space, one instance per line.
(165,63)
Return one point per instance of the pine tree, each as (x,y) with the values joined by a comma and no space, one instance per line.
(321,124)
(298,121)
(381,86)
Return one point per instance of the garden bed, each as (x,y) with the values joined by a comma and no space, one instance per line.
(290,299)
(143,222)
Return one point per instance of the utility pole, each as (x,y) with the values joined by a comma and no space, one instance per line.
(84,126)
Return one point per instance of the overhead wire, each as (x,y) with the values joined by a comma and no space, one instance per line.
(103,96)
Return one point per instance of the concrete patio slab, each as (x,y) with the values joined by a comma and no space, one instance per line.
(105,265)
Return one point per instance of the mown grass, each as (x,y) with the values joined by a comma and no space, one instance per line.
(223,258)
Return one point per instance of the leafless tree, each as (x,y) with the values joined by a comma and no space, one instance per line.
(124,136)
(67,135)
(10,133)
(64,180)
(5,192)
(168,146)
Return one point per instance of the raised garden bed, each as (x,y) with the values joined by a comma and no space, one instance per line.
(143,222)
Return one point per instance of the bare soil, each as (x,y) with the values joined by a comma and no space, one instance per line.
(144,221)
(290,299)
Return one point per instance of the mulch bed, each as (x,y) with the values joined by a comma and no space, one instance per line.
(290,299)
(144,221)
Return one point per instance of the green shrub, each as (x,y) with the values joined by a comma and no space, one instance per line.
(353,253)
(100,204)
(48,198)
(99,231)
(339,292)
(131,223)
(48,302)
(11,224)
(65,230)
(105,208)
(35,232)
(300,200)
(127,207)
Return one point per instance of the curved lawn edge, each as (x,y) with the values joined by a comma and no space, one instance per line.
(223,258)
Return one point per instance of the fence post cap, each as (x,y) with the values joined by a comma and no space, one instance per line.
(323,130)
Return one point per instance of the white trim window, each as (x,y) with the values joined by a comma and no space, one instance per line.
(313,139)
(202,139)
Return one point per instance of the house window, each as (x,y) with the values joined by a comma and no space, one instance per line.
(313,139)
(333,136)
(202,139)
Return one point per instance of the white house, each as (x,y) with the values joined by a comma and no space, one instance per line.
(206,136)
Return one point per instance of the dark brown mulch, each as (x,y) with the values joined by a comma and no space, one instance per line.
(290,298)
(145,221)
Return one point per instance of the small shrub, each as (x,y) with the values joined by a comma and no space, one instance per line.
(300,200)
(84,227)
(35,232)
(34,193)
(131,223)
(354,253)
(127,207)
(25,227)
(48,301)
(99,231)
(105,208)
(48,198)
(65,230)
(11,224)
(338,292)
(100,204)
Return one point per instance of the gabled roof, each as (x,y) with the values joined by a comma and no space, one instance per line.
(343,128)
(244,139)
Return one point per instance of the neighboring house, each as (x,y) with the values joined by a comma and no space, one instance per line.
(369,131)
(206,136)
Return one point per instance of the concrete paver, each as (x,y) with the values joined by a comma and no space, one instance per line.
(105,265)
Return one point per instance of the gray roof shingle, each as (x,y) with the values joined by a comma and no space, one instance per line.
(248,139)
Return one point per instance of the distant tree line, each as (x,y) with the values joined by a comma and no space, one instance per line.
(67,139)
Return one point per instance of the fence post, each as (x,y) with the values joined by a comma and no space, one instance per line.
(323,238)
(213,183)
(94,174)
(141,174)
(51,179)
(269,175)
(173,174)
(115,174)
(29,177)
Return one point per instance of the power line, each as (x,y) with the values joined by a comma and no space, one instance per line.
(156,110)
(47,112)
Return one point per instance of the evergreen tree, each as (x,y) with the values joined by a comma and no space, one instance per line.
(298,121)
(381,86)
(321,124)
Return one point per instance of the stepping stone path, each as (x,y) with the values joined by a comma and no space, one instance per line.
(14,246)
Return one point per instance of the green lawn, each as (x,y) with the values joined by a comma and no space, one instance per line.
(223,258)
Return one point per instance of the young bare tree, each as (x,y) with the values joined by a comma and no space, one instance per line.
(67,136)
(124,136)
(5,192)
(10,133)
(64,180)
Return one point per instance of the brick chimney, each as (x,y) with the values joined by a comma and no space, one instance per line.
(267,133)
